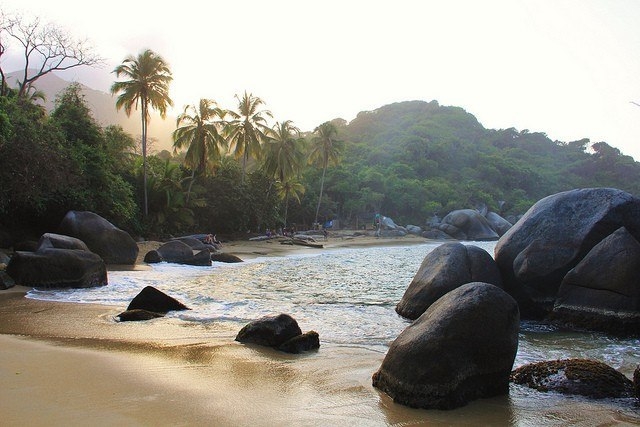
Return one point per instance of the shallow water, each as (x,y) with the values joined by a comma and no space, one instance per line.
(348,296)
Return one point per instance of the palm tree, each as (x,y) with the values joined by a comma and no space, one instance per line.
(248,129)
(148,85)
(284,158)
(290,187)
(325,150)
(200,134)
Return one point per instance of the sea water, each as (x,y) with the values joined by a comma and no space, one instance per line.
(347,295)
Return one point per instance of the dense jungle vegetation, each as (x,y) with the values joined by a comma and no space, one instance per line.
(408,160)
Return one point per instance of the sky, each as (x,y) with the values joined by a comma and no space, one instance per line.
(568,68)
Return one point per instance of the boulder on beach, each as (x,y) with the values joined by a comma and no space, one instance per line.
(554,236)
(179,252)
(114,245)
(137,315)
(447,267)
(467,224)
(461,349)
(154,300)
(58,268)
(603,291)
(301,343)
(583,377)
(52,240)
(271,331)
(225,257)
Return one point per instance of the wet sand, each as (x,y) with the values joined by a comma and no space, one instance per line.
(72,364)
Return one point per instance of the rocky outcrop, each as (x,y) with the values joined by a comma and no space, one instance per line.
(281,332)
(114,245)
(575,376)
(150,303)
(467,224)
(152,299)
(447,267)
(179,252)
(461,349)
(57,268)
(270,331)
(225,257)
(498,223)
(602,292)
(6,281)
(554,236)
(52,240)
(301,343)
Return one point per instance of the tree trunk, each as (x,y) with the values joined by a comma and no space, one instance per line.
(144,157)
(324,170)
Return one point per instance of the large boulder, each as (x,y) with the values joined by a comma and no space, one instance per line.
(575,376)
(447,267)
(156,301)
(52,240)
(271,331)
(58,268)
(461,349)
(179,252)
(114,245)
(603,291)
(553,236)
(470,223)
(301,343)
(498,223)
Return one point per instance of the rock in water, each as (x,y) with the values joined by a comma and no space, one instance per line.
(461,349)
(603,291)
(447,267)
(553,236)
(151,299)
(300,343)
(271,331)
(575,376)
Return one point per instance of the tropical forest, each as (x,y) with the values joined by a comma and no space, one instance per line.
(236,169)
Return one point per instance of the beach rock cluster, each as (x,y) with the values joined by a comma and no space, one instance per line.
(115,246)
(447,267)
(58,262)
(180,252)
(460,349)
(468,224)
(189,250)
(583,377)
(280,332)
(150,303)
(76,257)
(574,258)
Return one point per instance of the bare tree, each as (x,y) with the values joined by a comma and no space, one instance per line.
(45,48)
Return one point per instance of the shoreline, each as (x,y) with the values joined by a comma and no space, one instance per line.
(71,363)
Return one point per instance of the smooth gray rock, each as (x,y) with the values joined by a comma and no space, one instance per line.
(271,331)
(114,245)
(471,223)
(461,349)
(603,291)
(58,268)
(554,236)
(447,267)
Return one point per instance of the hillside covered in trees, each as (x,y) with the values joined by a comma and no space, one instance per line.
(408,161)
(411,160)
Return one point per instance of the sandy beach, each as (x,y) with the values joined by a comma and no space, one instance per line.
(73,364)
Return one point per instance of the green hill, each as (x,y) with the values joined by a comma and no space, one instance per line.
(410,160)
